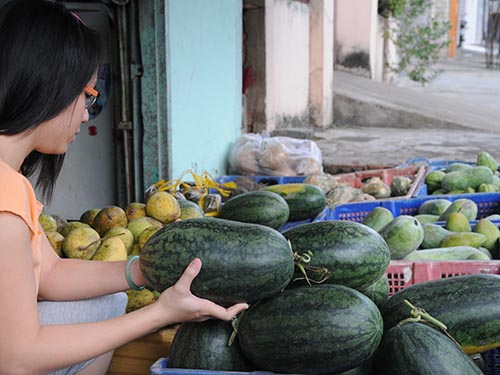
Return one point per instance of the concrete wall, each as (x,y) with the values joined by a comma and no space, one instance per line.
(287,63)
(321,62)
(204,62)
(355,30)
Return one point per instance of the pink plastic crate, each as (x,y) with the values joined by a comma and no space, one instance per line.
(403,273)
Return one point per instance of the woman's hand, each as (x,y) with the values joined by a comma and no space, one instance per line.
(180,305)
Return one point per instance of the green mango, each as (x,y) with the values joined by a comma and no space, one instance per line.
(486,159)
(403,235)
(463,239)
(466,206)
(469,178)
(457,222)
(433,180)
(490,231)
(457,167)
(487,188)
(378,218)
(434,206)
(433,235)
(426,218)
(448,253)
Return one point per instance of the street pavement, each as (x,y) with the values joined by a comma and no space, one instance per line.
(378,124)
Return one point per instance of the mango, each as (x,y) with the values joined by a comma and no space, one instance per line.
(448,253)
(88,216)
(81,243)
(163,207)
(491,232)
(138,299)
(56,239)
(457,222)
(433,180)
(378,218)
(463,239)
(109,217)
(403,235)
(466,206)
(190,210)
(110,250)
(469,178)
(124,234)
(433,235)
(457,167)
(137,226)
(484,158)
(47,222)
(135,210)
(67,228)
(434,206)
(426,218)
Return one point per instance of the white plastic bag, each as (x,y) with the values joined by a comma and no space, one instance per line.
(254,154)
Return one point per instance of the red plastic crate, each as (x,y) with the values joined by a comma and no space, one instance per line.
(403,273)
(357,179)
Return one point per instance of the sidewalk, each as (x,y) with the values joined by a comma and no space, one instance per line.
(378,124)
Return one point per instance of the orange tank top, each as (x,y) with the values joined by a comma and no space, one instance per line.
(18,197)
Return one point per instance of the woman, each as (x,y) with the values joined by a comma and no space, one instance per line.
(60,316)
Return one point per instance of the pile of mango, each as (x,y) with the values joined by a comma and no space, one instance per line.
(460,178)
(441,230)
(113,233)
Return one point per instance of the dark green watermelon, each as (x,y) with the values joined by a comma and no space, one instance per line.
(241,262)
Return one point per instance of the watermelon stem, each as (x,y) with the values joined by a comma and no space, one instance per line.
(302,263)
(234,323)
(418,314)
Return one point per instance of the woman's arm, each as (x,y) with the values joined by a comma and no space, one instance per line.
(26,347)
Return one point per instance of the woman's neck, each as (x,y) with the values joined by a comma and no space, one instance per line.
(14,149)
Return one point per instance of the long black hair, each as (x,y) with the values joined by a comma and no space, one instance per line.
(47,56)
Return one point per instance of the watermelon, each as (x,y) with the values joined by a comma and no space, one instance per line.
(319,329)
(241,262)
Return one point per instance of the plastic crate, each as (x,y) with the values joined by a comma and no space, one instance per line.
(402,273)
(266,180)
(160,367)
(487,204)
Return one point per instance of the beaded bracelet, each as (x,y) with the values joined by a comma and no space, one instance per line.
(130,282)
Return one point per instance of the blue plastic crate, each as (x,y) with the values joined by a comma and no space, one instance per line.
(267,180)
(487,204)
(322,216)
(491,362)
(160,367)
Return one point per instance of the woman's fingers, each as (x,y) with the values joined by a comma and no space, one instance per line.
(187,277)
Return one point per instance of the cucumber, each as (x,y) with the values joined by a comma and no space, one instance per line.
(343,252)
(241,262)
(319,329)
(467,305)
(258,207)
(304,200)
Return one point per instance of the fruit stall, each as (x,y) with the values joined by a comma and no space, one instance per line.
(388,271)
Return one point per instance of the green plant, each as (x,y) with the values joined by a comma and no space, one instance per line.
(391,7)
(419,36)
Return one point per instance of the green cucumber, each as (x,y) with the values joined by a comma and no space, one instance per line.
(415,348)
(339,252)
(258,207)
(241,262)
(204,345)
(467,305)
(319,329)
(304,200)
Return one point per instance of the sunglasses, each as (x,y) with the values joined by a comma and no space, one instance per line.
(90,96)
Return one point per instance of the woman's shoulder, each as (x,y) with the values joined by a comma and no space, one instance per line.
(17,195)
